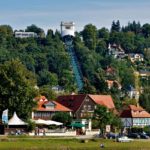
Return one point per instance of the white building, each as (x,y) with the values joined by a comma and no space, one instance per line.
(67,28)
(25,34)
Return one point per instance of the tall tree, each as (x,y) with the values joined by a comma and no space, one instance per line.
(144,99)
(89,36)
(103,33)
(103,117)
(63,117)
(34,28)
(115,26)
(146,30)
(16,88)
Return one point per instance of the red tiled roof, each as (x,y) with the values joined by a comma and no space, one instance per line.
(74,101)
(58,107)
(134,112)
(105,100)
(135,108)
(71,101)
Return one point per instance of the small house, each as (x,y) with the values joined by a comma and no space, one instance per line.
(135,116)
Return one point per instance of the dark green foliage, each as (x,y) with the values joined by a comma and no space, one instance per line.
(145,99)
(17,88)
(133,27)
(47,91)
(47,59)
(146,129)
(146,30)
(34,28)
(115,26)
(89,36)
(103,117)
(31,126)
(44,56)
(63,117)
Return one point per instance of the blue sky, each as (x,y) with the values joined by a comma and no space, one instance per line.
(49,13)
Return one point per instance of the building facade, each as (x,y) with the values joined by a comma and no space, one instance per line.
(83,106)
(133,116)
(46,109)
(25,34)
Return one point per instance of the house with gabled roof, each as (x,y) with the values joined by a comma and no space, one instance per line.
(135,116)
(110,71)
(83,105)
(144,73)
(111,83)
(132,92)
(46,109)
(136,57)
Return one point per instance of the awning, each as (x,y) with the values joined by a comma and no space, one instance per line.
(47,122)
(40,122)
(51,122)
(77,125)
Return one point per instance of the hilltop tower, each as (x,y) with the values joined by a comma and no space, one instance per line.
(67,29)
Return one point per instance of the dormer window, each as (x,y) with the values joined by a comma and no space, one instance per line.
(50,105)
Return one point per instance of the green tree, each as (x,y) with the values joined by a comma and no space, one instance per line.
(34,28)
(47,91)
(103,33)
(89,36)
(103,116)
(100,84)
(16,88)
(144,99)
(146,30)
(88,88)
(115,26)
(63,117)
(47,78)
(101,48)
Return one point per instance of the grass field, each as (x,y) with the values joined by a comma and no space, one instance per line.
(68,144)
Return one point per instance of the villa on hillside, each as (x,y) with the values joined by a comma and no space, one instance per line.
(112,83)
(19,34)
(136,57)
(46,109)
(133,93)
(110,71)
(144,73)
(135,116)
(116,51)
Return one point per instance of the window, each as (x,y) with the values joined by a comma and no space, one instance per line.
(50,105)
(87,100)
(89,107)
(85,106)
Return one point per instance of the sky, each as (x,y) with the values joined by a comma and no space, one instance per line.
(48,14)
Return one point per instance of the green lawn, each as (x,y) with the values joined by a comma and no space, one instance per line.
(68,144)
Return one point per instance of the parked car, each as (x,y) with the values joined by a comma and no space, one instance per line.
(124,139)
(143,136)
(134,135)
(111,135)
